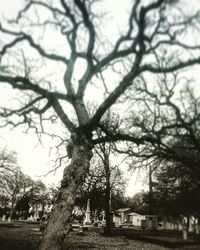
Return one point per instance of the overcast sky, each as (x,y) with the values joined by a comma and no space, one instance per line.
(33,157)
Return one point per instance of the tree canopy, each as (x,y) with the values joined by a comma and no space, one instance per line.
(155,38)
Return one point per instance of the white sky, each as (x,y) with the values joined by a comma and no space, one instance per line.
(32,157)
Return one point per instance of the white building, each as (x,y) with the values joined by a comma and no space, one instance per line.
(125,216)
(121,216)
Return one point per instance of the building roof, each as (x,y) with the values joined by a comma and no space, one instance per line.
(151,215)
(121,210)
(135,214)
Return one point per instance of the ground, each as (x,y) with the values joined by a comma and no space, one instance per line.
(26,236)
(19,236)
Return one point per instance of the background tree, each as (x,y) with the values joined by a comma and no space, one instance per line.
(23,205)
(35,198)
(8,162)
(177,185)
(18,191)
(170,113)
(153,32)
(104,184)
(14,186)
(113,179)
(92,189)
(38,199)
(139,203)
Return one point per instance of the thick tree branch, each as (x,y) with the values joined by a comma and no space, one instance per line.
(169,69)
(89,25)
(23,83)
(124,137)
(21,36)
(117,92)
(62,115)
(128,79)
(114,136)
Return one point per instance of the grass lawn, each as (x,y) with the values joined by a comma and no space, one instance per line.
(94,241)
(26,236)
(19,236)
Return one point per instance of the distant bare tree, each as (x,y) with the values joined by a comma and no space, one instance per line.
(14,185)
(113,178)
(170,112)
(8,162)
(102,182)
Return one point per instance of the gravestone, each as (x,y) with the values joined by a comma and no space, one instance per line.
(185,233)
(95,224)
(87,220)
(31,217)
(103,217)
(184,229)
(3,217)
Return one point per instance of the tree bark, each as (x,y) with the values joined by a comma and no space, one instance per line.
(74,176)
(150,191)
(107,196)
(107,211)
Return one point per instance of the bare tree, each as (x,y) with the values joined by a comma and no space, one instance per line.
(103,181)
(14,185)
(170,112)
(8,165)
(67,36)
(8,162)
(113,178)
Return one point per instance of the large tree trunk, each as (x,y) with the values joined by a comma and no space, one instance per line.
(73,179)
